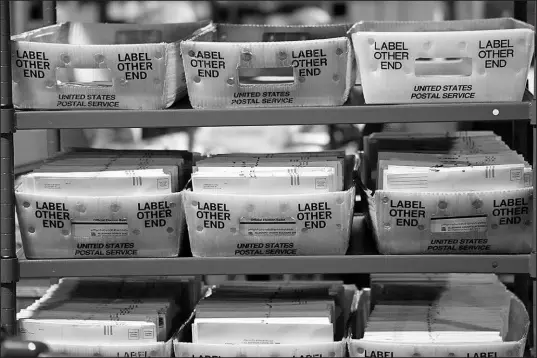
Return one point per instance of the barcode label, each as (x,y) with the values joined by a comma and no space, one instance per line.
(137,181)
(489,172)
(108,330)
(295,178)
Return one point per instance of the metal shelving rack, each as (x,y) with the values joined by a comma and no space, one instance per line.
(182,115)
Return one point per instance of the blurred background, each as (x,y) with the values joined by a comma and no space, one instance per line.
(31,146)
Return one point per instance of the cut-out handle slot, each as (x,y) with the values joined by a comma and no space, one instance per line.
(285,36)
(94,77)
(441,66)
(266,76)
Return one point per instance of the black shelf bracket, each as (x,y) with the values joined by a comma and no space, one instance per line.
(533,265)
(9,270)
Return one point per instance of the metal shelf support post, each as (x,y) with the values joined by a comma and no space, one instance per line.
(8,256)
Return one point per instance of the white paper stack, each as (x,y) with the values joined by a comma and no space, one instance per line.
(109,172)
(107,311)
(270,313)
(282,173)
(450,308)
(445,162)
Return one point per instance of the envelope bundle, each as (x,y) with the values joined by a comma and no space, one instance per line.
(107,311)
(441,315)
(270,313)
(111,172)
(473,160)
(452,308)
(104,203)
(281,173)
(462,192)
(270,204)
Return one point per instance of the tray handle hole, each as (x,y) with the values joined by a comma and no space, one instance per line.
(266,76)
(443,66)
(94,77)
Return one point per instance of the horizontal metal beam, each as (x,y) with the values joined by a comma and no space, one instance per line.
(533,265)
(276,265)
(355,111)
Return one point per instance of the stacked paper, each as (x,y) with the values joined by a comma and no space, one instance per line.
(460,161)
(451,308)
(106,311)
(109,172)
(270,313)
(282,173)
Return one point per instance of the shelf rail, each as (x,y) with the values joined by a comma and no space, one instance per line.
(261,265)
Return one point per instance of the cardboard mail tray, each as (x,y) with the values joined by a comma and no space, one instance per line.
(269,225)
(478,222)
(55,227)
(223,225)
(443,61)
(238,66)
(99,66)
